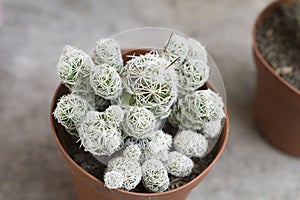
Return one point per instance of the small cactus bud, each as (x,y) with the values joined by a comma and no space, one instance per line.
(74,66)
(70,111)
(106,82)
(107,51)
(212,129)
(129,168)
(138,122)
(98,135)
(179,164)
(191,144)
(155,176)
(113,180)
(195,109)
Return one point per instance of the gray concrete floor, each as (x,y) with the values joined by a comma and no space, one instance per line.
(31,40)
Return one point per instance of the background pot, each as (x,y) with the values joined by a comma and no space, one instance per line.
(277,104)
(90,188)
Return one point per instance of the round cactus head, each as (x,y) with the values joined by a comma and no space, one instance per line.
(106,82)
(138,122)
(179,164)
(190,143)
(98,135)
(194,110)
(155,176)
(107,51)
(113,180)
(74,66)
(129,168)
(70,111)
(150,83)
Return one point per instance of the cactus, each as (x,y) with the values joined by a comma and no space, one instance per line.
(155,176)
(106,82)
(130,170)
(212,129)
(70,111)
(179,164)
(194,110)
(190,143)
(150,83)
(132,151)
(190,63)
(98,135)
(157,146)
(138,122)
(113,180)
(74,66)
(119,108)
(108,52)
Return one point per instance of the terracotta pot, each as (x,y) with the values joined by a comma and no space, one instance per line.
(277,103)
(90,188)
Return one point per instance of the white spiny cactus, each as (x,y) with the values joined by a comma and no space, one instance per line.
(116,113)
(176,49)
(150,82)
(192,74)
(114,107)
(132,151)
(155,176)
(179,164)
(195,109)
(138,122)
(106,82)
(196,51)
(70,111)
(212,129)
(190,143)
(98,135)
(74,66)
(113,180)
(156,146)
(129,168)
(107,51)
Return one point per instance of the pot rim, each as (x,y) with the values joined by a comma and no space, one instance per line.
(256,51)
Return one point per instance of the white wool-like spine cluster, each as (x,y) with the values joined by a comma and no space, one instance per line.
(191,143)
(150,83)
(108,52)
(70,111)
(98,135)
(132,151)
(195,109)
(74,66)
(113,180)
(157,146)
(190,59)
(106,82)
(155,176)
(130,169)
(212,129)
(138,122)
(179,164)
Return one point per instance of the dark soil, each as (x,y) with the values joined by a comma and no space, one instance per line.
(278,40)
(96,168)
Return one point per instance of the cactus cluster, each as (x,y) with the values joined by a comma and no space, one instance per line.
(117,109)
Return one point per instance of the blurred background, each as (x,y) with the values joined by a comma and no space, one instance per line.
(32,36)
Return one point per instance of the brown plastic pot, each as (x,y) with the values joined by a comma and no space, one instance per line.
(277,103)
(90,188)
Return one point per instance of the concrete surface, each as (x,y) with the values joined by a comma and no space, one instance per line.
(31,40)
